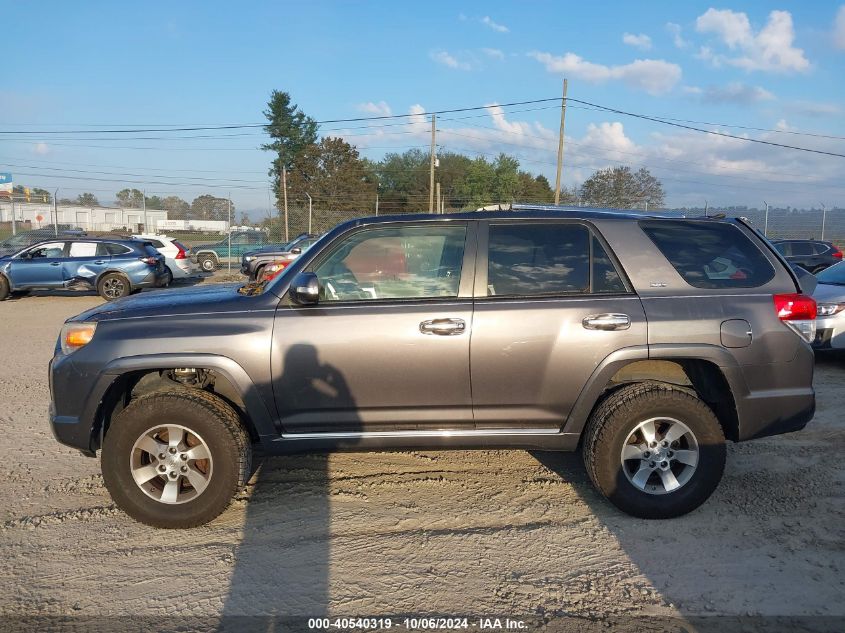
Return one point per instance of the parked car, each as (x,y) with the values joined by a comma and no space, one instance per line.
(176,256)
(27,238)
(208,256)
(254,262)
(113,268)
(830,296)
(540,329)
(814,255)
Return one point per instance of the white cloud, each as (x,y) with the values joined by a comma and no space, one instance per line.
(41,148)
(641,41)
(692,90)
(771,49)
(735,92)
(494,53)
(655,76)
(499,28)
(677,38)
(813,109)
(839,28)
(450,61)
(379,109)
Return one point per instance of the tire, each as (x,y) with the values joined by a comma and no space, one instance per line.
(4,288)
(205,420)
(169,279)
(257,274)
(208,263)
(633,484)
(113,286)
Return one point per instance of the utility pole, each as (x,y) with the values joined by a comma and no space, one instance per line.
(377,188)
(12,204)
(229,214)
(766,221)
(439,210)
(705,208)
(309,211)
(55,213)
(285,193)
(824,217)
(144,205)
(431,179)
(560,143)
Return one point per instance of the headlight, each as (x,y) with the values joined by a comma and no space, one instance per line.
(248,258)
(76,335)
(829,309)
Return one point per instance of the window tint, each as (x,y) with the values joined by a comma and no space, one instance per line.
(820,248)
(783,248)
(547,259)
(108,248)
(710,254)
(802,249)
(407,262)
(52,250)
(83,249)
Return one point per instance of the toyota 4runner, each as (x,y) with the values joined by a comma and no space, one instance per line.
(645,342)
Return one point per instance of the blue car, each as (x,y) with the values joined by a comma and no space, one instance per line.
(113,268)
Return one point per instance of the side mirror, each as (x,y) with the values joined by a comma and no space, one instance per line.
(296,251)
(305,289)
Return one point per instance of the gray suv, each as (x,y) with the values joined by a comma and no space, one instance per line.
(644,342)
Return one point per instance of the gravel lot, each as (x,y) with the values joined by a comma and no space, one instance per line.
(483,532)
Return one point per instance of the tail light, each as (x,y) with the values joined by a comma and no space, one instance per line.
(183,252)
(836,253)
(150,261)
(798,312)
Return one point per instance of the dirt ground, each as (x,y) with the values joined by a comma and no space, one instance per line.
(495,533)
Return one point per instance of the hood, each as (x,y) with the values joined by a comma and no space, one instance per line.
(162,303)
(828,293)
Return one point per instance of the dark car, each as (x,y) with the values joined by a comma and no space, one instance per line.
(113,268)
(208,256)
(254,262)
(27,238)
(813,255)
(564,329)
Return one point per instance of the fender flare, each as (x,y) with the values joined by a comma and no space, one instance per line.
(257,410)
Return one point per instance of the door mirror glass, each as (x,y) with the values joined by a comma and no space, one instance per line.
(296,251)
(305,289)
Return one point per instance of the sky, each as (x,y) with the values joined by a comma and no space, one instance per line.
(72,70)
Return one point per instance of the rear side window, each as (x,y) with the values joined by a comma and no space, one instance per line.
(802,248)
(108,248)
(548,259)
(709,254)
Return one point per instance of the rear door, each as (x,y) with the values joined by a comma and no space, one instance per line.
(550,305)
(85,261)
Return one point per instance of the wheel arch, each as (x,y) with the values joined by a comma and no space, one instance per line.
(122,377)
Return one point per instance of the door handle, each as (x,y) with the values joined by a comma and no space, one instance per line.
(100,262)
(608,321)
(55,263)
(443,327)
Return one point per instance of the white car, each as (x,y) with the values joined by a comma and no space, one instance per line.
(176,256)
(830,300)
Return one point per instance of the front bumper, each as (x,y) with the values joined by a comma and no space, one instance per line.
(830,332)
(71,420)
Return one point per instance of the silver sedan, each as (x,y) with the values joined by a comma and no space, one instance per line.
(830,297)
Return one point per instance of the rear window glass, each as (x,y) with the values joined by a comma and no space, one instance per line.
(108,248)
(710,254)
(547,259)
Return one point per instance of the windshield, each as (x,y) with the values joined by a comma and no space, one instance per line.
(835,275)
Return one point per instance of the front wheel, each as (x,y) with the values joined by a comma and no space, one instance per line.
(208,263)
(656,451)
(175,459)
(113,286)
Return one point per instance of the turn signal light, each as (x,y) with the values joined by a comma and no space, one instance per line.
(76,335)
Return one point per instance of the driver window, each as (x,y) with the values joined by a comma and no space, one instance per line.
(51,250)
(407,262)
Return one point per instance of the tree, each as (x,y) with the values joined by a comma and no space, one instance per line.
(130,198)
(292,132)
(176,205)
(154,202)
(620,187)
(207,207)
(87,200)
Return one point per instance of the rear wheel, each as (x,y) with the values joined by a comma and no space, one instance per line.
(168,279)
(208,263)
(655,450)
(175,459)
(4,288)
(113,286)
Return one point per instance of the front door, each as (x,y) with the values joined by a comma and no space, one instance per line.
(550,306)
(40,266)
(386,349)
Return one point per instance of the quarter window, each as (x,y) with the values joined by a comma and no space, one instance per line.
(548,259)
(402,262)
